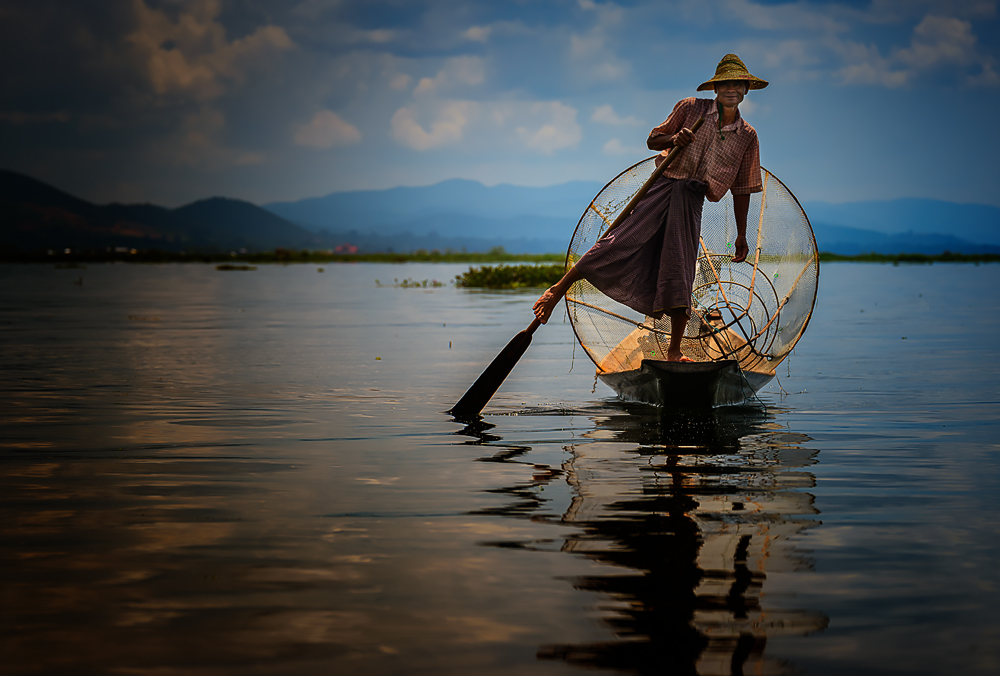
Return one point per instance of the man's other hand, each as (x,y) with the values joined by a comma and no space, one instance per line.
(741,250)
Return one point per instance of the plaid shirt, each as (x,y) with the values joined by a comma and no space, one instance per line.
(725,164)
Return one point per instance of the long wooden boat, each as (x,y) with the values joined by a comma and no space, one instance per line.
(727,370)
(671,384)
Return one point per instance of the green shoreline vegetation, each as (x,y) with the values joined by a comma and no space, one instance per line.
(513,271)
(279,256)
(511,276)
(896,259)
(495,255)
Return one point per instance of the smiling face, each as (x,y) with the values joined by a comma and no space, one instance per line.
(730,93)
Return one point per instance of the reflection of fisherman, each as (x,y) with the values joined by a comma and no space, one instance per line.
(648,262)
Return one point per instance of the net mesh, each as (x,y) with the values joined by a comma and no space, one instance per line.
(753,312)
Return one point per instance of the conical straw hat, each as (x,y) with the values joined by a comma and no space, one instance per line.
(731,68)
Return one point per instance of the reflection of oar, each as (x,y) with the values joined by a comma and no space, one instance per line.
(487,384)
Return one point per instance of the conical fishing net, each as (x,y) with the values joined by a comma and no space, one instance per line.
(752,312)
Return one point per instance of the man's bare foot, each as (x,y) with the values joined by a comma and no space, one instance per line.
(546,303)
(677,356)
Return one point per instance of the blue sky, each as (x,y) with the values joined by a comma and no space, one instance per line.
(176,100)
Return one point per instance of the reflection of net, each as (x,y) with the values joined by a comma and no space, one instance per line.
(753,312)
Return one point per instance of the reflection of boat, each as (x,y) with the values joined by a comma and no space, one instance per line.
(745,317)
(680,384)
(683,531)
(690,541)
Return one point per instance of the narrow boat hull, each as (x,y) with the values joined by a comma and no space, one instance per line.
(671,384)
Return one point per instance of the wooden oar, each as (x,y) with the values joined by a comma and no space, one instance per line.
(487,384)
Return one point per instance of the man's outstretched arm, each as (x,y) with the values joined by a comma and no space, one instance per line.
(741,207)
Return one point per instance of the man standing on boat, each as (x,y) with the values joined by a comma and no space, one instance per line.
(648,262)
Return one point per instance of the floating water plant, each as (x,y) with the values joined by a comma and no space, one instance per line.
(411,284)
(511,276)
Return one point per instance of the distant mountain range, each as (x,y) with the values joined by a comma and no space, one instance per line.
(455,208)
(456,214)
(905,225)
(544,218)
(35,216)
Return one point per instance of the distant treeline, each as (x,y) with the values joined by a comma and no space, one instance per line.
(946,257)
(495,255)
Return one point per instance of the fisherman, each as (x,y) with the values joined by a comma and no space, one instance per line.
(648,262)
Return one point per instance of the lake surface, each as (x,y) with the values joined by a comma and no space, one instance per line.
(208,472)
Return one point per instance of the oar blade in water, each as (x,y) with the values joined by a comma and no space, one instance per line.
(492,378)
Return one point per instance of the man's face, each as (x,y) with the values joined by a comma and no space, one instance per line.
(730,92)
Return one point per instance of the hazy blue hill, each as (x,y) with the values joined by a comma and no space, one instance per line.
(852,241)
(457,214)
(455,205)
(35,216)
(511,227)
(974,223)
(464,211)
(407,241)
(18,188)
(230,223)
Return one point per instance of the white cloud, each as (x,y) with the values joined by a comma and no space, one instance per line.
(199,143)
(797,42)
(400,81)
(461,70)
(192,56)
(582,46)
(988,77)
(325,130)
(555,128)
(796,16)
(315,9)
(937,42)
(379,37)
(502,126)
(615,147)
(590,53)
(885,12)
(607,12)
(594,61)
(445,129)
(748,107)
(605,114)
(791,55)
(871,68)
(477,33)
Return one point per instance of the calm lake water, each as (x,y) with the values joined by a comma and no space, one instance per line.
(210,472)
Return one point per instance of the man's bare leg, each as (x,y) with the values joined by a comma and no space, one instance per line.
(547,302)
(678,322)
